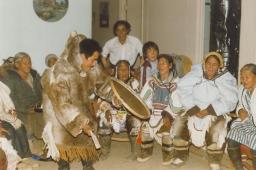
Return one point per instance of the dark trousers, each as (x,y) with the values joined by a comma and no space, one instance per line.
(18,138)
(235,154)
(64,165)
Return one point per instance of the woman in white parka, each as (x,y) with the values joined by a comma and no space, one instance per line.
(208,94)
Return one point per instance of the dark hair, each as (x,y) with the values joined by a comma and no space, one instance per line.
(89,46)
(170,60)
(148,45)
(122,62)
(126,24)
(251,67)
(9,60)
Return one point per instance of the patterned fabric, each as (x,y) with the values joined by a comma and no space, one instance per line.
(162,90)
(244,132)
(161,97)
(119,116)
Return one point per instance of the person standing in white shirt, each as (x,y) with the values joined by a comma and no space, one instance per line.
(122,46)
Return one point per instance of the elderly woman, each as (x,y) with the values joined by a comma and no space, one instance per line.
(243,130)
(113,115)
(25,88)
(160,95)
(208,94)
(16,131)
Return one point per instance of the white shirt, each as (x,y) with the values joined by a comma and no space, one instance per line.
(127,51)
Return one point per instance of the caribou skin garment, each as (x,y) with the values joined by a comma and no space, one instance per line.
(66,111)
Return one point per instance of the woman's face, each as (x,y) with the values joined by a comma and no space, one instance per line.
(123,72)
(212,66)
(24,65)
(248,79)
(151,54)
(163,67)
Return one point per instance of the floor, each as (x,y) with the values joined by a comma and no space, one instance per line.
(118,161)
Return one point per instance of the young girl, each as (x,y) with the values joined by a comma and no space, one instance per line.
(149,67)
(159,93)
(243,131)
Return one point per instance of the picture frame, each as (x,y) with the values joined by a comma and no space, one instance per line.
(104,14)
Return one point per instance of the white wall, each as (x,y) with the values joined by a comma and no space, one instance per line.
(134,17)
(248,33)
(176,26)
(22,30)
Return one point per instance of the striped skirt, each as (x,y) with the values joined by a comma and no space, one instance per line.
(244,133)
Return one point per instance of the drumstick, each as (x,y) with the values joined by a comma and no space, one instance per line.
(95,140)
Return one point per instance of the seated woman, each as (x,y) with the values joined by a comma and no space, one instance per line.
(114,116)
(208,94)
(159,93)
(16,131)
(243,130)
(26,94)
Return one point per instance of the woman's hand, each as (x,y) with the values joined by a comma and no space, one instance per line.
(242,114)
(116,102)
(13,113)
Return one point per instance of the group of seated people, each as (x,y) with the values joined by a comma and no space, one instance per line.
(21,118)
(190,109)
(193,109)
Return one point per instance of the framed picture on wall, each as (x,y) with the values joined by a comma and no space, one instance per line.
(50,10)
(104,14)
